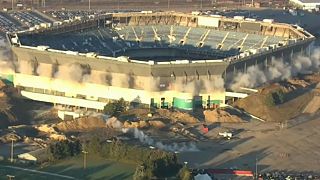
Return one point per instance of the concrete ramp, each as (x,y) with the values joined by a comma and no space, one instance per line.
(237,95)
(313,106)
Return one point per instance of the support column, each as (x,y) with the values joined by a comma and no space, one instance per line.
(245,68)
(291,56)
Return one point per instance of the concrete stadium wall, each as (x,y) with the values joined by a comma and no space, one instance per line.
(264,59)
(94,96)
(103,70)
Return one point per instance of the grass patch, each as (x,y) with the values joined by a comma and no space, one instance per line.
(97,168)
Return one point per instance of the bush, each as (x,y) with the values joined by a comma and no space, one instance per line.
(63,149)
(269,100)
(275,98)
(278,97)
(115,108)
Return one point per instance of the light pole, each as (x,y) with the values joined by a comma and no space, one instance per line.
(256,168)
(11,159)
(84,159)
(10,177)
(185,163)
(118,5)
(12,5)
(89,4)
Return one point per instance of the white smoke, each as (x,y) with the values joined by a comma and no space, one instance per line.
(174,147)
(195,86)
(278,70)
(145,139)
(214,84)
(6,64)
(45,70)
(73,72)
(154,84)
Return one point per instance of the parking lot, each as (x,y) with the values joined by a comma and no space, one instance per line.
(66,15)
(28,19)
(8,24)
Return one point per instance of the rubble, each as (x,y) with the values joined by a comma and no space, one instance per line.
(157,124)
(81,124)
(175,116)
(46,128)
(219,115)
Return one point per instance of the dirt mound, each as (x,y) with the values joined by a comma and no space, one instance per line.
(313,106)
(294,96)
(175,116)
(137,124)
(46,128)
(81,124)
(219,115)
(157,124)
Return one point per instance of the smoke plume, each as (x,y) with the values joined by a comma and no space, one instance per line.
(45,70)
(174,147)
(278,70)
(145,139)
(195,86)
(74,72)
(7,65)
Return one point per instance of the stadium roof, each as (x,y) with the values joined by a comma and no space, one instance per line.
(309,1)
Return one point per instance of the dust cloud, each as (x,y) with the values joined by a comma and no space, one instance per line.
(278,70)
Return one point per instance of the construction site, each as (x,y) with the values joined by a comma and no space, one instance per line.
(222,93)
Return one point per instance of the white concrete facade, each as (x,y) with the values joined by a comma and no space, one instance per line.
(93,96)
(307,4)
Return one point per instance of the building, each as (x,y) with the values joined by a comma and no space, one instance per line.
(307,4)
(161,60)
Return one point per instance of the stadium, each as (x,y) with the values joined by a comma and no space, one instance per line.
(158,59)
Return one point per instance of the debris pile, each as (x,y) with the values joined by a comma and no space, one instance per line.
(219,115)
(81,124)
(175,116)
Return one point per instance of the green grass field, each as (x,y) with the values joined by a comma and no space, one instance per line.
(97,168)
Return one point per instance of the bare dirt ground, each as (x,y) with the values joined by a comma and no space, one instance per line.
(295,148)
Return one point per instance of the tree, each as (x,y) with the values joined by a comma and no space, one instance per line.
(185,174)
(115,108)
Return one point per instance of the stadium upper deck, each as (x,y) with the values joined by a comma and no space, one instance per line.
(213,37)
(114,42)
